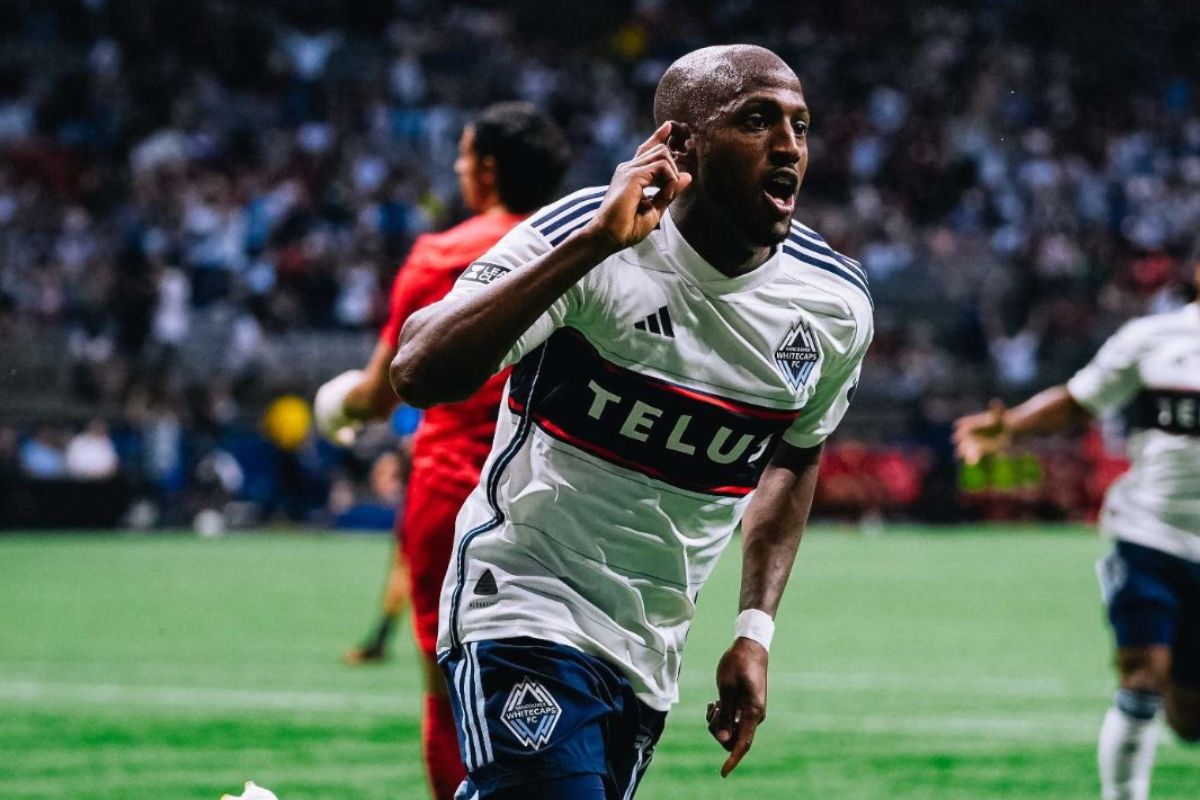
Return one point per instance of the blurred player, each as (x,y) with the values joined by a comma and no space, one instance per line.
(511,160)
(666,365)
(1151,581)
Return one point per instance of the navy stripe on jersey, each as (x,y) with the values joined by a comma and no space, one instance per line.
(813,240)
(1169,410)
(557,240)
(565,205)
(591,207)
(681,436)
(795,249)
(492,487)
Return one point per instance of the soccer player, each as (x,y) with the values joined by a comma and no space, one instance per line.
(1151,581)
(511,160)
(681,349)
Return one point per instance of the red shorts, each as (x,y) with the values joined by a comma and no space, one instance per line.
(426,540)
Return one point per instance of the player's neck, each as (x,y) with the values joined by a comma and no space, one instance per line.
(491,207)
(710,234)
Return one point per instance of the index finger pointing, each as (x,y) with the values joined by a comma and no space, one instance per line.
(658,137)
(741,745)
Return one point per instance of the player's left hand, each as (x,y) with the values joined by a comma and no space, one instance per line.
(329,410)
(742,703)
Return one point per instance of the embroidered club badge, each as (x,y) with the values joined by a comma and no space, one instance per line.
(798,354)
(531,713)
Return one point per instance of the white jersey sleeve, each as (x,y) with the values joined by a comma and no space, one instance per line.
(1112,378)
(524,244)
(835,389)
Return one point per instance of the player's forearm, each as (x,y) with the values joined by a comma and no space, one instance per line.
(774,525)
(448,350)
(372,398)
(1050,411)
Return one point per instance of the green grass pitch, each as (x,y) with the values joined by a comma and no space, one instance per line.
(919,664)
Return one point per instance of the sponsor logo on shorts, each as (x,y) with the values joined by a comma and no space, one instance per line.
(482,272)
(531,713)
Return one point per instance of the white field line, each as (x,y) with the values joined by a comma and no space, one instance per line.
(1070,727)
(1031,686)
(1075,728)
(382,703)
(978,685)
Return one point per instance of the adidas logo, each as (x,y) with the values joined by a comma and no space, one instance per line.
(486,584)
(659,322)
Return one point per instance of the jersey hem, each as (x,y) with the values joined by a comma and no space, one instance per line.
(656,701)
(1174,544)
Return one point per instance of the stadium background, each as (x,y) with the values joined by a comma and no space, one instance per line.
(202,206)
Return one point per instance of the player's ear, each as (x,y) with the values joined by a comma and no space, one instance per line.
(679,140)
(488,173)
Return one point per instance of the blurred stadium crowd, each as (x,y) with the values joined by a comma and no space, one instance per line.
(202,206)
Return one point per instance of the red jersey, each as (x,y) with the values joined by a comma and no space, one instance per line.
(453,439)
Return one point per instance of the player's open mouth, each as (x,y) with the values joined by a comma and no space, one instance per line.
(780,189)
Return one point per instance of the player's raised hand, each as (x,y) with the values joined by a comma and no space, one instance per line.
(742,703)
(979,435)
(639,193)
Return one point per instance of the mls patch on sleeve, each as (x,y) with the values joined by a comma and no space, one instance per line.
(531,713)
(482,272)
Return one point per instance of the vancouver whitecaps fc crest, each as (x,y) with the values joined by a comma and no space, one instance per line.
(531,713)
(798,354)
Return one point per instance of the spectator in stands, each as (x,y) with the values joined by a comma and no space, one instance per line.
(90,454)
(42,455)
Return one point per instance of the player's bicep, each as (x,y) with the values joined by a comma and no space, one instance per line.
(522,246)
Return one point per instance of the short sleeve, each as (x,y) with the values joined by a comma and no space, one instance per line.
(520,247)
(1111,379)
(835,389)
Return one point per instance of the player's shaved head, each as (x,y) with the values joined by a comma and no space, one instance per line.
(699,84)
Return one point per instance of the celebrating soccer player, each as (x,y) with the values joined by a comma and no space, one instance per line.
(511,159)
(681,349)
(1151,580)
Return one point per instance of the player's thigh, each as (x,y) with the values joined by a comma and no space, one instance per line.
(1183,711)
(1144,608)
(1183,696)
(530,712)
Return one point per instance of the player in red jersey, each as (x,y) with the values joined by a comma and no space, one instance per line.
(511,159)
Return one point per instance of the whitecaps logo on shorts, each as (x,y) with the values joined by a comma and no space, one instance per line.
(531,713)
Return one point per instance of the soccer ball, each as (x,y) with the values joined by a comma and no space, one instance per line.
(252,792)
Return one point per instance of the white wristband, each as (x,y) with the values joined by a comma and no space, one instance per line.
(756,625)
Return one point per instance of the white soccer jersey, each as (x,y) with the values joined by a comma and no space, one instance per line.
(1151,370)
(640,412)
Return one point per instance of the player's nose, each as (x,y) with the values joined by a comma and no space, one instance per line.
(785,146)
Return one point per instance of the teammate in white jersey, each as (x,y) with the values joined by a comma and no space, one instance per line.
(675,374)
(1150,369)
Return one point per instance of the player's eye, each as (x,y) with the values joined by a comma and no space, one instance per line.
(801,128)
(756,122)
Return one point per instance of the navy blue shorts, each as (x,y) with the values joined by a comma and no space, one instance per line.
(530,711)
(1154,599)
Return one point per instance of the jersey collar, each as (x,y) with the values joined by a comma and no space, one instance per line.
(684,258)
